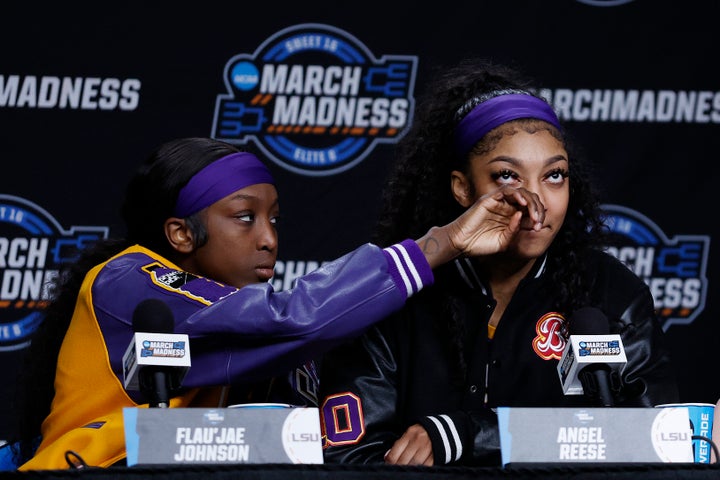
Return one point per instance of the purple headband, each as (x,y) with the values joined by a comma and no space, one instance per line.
(218,180)
(498,110)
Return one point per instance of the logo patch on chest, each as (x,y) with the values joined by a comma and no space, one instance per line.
(549,342)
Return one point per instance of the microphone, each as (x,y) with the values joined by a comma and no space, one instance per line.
(157,360)
(592,358)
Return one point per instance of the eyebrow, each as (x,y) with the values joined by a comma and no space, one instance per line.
(245,196)
(516,162)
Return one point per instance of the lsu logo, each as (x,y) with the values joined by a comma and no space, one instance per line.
(674,269)
(315,100)
(33,247)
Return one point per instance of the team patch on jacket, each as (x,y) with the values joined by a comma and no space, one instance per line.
(183,283)
(341,419)
(549,342)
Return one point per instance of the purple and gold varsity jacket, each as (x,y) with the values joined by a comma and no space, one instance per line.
(237,336)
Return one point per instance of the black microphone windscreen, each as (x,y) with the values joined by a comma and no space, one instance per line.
(589,321)
(153,316)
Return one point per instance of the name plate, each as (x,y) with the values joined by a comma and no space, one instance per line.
(594,435)
(222,435)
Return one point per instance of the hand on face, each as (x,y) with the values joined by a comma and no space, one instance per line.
(526,173)
(491,223)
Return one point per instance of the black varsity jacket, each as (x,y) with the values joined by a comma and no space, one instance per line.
(404,370)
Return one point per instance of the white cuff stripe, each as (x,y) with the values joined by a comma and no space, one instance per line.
(443,436)
(401,270)
(411,267)
(455,434)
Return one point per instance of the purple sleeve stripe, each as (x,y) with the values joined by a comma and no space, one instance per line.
(408,267)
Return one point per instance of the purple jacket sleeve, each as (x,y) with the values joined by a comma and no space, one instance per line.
(254,332)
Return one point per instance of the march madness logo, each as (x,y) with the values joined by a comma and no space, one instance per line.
(674,269)
(315,100)
(33,247)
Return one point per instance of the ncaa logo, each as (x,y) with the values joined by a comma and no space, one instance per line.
(315,100)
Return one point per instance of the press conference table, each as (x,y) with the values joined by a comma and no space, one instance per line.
(668,471)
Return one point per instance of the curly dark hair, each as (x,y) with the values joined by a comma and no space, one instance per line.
(417,193)
(150,199)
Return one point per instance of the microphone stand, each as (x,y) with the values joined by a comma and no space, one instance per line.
(598,383)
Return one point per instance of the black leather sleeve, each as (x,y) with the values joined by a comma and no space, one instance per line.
(358,400)
(360,418)
(649,377)
(471,437)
